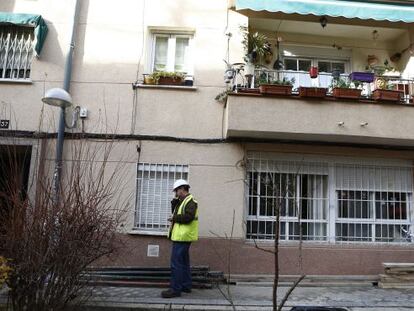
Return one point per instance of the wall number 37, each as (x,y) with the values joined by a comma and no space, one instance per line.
(4,124)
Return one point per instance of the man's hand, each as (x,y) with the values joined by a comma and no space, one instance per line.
(175,201)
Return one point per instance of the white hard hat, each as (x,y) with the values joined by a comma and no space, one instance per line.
(179,183)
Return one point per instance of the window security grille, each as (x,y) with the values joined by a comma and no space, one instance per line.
(298,191)
(329,201)
(154,193)
(16,52)
(373,203)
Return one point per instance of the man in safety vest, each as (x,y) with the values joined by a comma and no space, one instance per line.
(183,231)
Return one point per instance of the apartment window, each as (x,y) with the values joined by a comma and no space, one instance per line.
(16,52)
(329,201)
(324,66)
(298,191)
(172,52)
(298,68)
(373,203)
(298,64)
(154,193)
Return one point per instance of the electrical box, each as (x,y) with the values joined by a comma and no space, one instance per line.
(83,112)
(153,250)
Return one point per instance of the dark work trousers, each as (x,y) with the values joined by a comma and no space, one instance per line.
(180,267)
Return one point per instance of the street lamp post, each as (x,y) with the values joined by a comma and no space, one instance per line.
(60,98)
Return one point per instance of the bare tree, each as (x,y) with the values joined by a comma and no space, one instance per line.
(279,194)
(50,243)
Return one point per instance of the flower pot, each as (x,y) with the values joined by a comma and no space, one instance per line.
(346,93)
(317,92)
(248,90)
(387,95)
(313,72)
(169,81)
(148,79)
(275,89)
(362,76)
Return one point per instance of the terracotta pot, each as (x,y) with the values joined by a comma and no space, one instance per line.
(169,81)
(275,89)
(249,91)
(387,95)
(346,93)
(318,92)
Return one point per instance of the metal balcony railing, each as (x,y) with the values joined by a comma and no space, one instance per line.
(302,78)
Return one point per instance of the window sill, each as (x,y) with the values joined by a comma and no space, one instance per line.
(136,231)
(16,81)
(166,87)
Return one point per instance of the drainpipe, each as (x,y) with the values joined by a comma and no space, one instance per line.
(66,86)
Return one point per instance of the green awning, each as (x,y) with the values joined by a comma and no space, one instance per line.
(335,8)
(31,20)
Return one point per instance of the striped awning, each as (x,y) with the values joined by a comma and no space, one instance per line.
(336,8)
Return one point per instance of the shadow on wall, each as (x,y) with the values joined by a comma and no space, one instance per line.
(7,5)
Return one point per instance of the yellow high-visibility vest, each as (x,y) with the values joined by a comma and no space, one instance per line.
(185,232)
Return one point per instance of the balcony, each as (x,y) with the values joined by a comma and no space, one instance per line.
(328,119)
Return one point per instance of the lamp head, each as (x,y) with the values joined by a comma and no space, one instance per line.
(57,97)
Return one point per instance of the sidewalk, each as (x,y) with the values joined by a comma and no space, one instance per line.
(249,298)
(253,297)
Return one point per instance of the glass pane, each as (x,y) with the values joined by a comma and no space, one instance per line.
(291,64)
(181,51)
(339,66)
(324,67)
(304,65)
(161,50)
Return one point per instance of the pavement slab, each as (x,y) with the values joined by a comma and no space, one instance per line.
(249,298)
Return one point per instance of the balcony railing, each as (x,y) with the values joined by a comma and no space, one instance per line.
(325,80)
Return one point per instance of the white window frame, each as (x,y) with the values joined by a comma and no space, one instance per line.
(143,223)
(16,52)
(172,36)
(399,180)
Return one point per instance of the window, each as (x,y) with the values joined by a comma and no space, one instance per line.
(301,197)
(172,52)
(16,52)
(328,201)
(298,68)
(297,64)
(154,193)
(373,203)
(330,66)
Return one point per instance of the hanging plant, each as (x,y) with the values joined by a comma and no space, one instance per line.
(256,45)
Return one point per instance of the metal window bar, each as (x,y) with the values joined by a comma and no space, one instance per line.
(154,183)
(16,52)
(373,203)
(299,189)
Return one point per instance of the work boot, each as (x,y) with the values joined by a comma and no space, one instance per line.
(169,294)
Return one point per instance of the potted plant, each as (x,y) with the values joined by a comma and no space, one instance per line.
(148,79)
(342,88)
(386,92)
(316,92)
(167,78)
(277,87)
(256,47)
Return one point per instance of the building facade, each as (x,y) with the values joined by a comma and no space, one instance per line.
(340,171)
